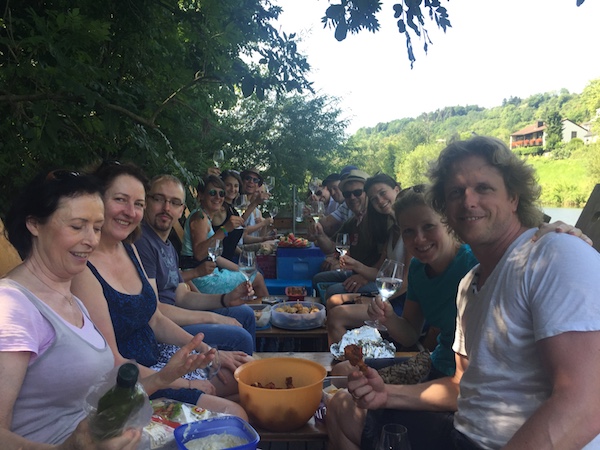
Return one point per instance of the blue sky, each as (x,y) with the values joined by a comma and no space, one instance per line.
(494,50)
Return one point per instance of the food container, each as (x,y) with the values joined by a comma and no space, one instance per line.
(231,425)
(285,315)
(262,314)
(295,292)
(272,300)
(280,409)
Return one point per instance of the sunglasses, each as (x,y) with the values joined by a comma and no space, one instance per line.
(253,179)
(61,174)
(319,193)
(356,192)
(214,192)
(158,198)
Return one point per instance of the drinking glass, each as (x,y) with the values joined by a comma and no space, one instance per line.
(299,211)
(214,251)
(269,184)
(313,185)
(218,158)
(394,437)
(241,204)
(273,211)
(213,367)
(317,210)
(389,280)
(342,245)
(247,266)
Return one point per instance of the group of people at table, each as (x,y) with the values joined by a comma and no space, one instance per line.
(519,327)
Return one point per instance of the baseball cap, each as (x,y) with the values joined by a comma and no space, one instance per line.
(331,178)
(353,175)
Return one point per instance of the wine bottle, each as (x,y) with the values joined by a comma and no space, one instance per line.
(115,407)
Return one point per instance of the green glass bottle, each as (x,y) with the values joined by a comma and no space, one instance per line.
(116,406)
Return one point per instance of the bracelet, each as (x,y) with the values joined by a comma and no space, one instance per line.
(224,230)
(223,301)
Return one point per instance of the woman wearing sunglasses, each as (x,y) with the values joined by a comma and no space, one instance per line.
(199,236)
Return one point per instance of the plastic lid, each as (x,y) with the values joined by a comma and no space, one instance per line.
(128,375)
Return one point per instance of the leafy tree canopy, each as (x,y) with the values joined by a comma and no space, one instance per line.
(140,80)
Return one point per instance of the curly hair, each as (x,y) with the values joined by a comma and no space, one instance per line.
(519,178)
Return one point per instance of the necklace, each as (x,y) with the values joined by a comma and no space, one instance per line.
(66,297)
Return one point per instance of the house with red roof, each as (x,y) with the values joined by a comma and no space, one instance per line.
(534,135)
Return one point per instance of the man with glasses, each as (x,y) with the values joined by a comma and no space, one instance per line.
(363,246)
(224,324)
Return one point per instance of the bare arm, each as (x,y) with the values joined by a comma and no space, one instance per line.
(570,418)
(437,395)
(87,288)
(183,317)
(330,225)
(189,299)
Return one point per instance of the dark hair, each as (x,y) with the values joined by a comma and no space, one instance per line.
(519,177)
(331,178)
(108,171)
(40,198)
(211,179)
(378,223)
(380,178)
(231,173)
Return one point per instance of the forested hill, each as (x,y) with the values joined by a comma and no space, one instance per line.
(567,172)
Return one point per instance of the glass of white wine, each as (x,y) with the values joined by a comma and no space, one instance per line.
(269,184)
(247,266)
(389,280)
(394,437)
(317,210)
(342,245)
(313,185)
(214,251)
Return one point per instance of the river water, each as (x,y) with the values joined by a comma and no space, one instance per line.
(567,215)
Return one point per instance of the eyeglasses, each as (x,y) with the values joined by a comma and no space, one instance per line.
(61,174)
(356,192)
(214,192)
(158,198)
(253,179)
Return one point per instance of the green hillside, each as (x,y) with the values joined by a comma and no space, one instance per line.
(567,172)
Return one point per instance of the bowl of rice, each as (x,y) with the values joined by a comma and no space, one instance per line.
(219,433)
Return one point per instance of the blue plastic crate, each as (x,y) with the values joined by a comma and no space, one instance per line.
(277,286)
(299,263)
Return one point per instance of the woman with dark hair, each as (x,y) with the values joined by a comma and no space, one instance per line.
(123,303)
(232,181)
(347,311)
(51,353)
(199,236)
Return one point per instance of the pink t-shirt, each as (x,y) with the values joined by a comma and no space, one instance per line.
(66,361)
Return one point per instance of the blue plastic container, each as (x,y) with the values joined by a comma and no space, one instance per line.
(299,263)
(219,425)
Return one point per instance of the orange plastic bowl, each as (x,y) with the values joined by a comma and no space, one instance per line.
(280,409)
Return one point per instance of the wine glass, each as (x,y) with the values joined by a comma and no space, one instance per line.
(214,251)
(247,266)
(342,245)
(313,185)
(241,204)
(213,367)
(389,280)
(317,210)
(273,211)
(269,184)
(218,158)
(394,437)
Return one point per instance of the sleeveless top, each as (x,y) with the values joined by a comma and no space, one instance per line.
(231,241)
(130,316)
(50,403)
